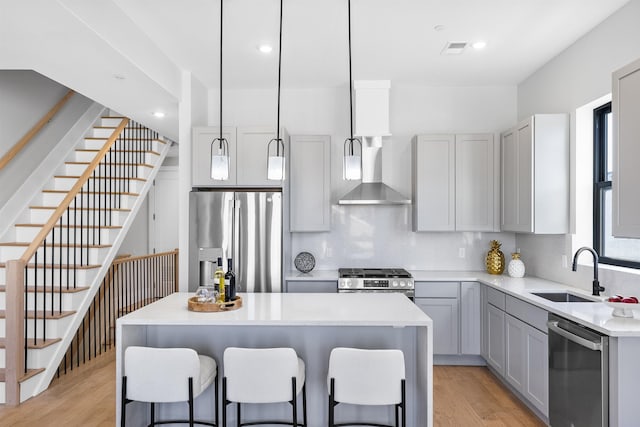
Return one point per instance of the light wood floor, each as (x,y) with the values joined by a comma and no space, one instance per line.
(463,397)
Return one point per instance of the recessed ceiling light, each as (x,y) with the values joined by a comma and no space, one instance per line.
(479,45)
(438,27)
(265,48)
(158,114)
(119,77)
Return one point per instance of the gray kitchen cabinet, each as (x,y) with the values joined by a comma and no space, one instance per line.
(455,310)
(312,286)
(201,156)
(516,345)
(535,175)
(483,322)
(625,107)
(495,338)
(514,371)
(310,183)
(470,333)
(456,173)
(444,313)
(247,156)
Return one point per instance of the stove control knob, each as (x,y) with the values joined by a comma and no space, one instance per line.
(402,283)
(345,284)
(394,283)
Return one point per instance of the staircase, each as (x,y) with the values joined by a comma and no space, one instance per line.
(55,256)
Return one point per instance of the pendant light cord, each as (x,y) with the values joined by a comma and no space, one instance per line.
(221,1)
(279,79)
(350,81)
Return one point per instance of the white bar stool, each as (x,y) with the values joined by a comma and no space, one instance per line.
(366,377)
(263,375)
(161,375)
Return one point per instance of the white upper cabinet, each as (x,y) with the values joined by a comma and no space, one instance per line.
(247,156)
(201,156)
(535,175)
(310,183)
(626,151)
(454,182)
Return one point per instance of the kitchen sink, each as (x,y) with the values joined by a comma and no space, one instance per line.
(561,297)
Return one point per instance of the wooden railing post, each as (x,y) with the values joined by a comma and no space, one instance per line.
(14,329)
(176,255)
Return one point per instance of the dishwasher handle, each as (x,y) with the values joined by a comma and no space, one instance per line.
(591,345)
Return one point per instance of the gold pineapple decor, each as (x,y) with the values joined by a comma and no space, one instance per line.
(495,259)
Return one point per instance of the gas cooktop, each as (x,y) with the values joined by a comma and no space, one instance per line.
(368,273)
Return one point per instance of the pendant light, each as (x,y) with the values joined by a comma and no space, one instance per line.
(352,164)
(220,159)
(275,157)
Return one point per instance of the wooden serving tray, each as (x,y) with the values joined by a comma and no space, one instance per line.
(194,305)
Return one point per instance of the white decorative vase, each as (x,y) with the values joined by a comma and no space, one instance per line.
(516,266)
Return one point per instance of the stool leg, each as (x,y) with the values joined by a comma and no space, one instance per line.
(331,402)
(404,405)
(396,408)
(190,402)
(224,401)
(123,402)
(238,415)
(215,400)
(153,414)
(304,404)
(294,402)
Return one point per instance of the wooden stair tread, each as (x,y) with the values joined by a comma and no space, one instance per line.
(43,314)
(30,374)
(101,177)
(82,209)
(56,245)
(57,266)
(47,288)
(113,117)
(37,344)
(109,227)
(114,164)
(123,193)
(105,127)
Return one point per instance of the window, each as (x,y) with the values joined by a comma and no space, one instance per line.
(613,251)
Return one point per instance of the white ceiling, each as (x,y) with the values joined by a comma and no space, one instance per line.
(84,44)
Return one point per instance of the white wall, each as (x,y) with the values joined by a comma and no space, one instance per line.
(580,74)
(381,235)
(25,96)
(136,241)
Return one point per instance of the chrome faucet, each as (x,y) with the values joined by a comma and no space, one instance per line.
(596,285)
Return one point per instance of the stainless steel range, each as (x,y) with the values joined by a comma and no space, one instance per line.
(376,280)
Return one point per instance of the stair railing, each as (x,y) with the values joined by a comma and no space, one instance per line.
(13,152)
(60,251)
(130,283)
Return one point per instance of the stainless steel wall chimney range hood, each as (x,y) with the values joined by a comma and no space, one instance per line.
(372,124)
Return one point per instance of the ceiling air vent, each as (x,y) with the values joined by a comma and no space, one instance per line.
(454,48)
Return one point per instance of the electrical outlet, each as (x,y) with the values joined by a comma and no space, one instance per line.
(461,253)
(328,252)
(565,262)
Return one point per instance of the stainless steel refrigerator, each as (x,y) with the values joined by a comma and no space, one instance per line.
(243,225)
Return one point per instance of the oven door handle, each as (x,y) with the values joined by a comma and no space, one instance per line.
(553,326)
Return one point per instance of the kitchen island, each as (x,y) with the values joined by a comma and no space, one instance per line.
(312,324)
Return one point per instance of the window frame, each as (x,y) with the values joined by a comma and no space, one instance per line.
(601,184)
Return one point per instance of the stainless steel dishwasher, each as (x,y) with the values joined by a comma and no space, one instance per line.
(578,375)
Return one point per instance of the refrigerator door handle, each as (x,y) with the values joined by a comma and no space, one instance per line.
(236,241)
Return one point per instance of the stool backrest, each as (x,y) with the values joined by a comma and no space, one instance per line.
(260,375)
(366,377)
(160,374)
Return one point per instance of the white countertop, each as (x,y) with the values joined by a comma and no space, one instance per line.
(597,315)
(277,309)
(594,315)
